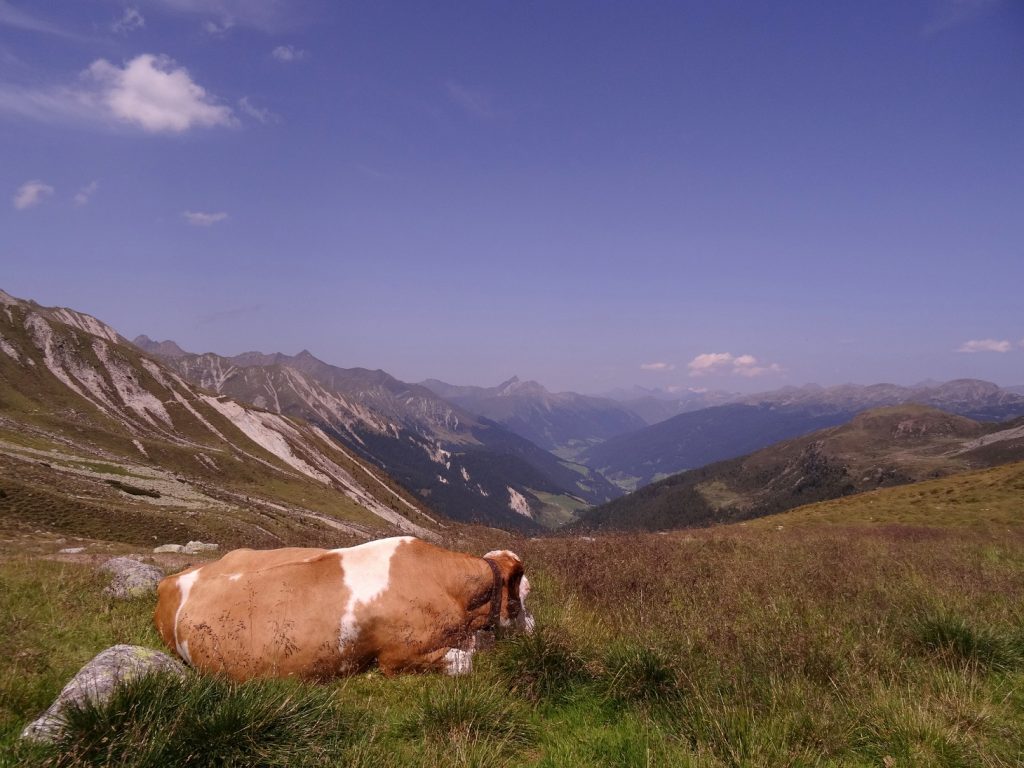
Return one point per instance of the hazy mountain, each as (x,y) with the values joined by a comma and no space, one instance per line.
(655,404)
(462,465)
(1018,390)
(563,422)
(880,447)
(701,437)
(95,434)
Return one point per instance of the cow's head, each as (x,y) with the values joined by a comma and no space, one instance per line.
(515,588)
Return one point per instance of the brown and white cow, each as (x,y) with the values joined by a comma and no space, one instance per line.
(401,603)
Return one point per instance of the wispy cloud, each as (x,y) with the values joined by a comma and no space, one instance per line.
(985,345)
(84,195)
(264,15)
(218,28)
(203,219)
(472,100)
(953,13)
(128,21)
(15,17)
(659,366)
(259,114)
(726,363)
(150,92)
(288,53)
(31,194)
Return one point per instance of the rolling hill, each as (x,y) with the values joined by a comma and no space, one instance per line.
(878,448)
(701,437)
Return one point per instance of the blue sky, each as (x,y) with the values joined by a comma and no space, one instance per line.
(592,194)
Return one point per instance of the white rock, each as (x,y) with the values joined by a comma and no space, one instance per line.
(198,546)
(71,550)
(169,548)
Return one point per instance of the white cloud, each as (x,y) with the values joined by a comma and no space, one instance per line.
(657,367)
(30,194)
(472,100)
(985,345)
(150,92)
(84,195)
(725,363)
(258,114)
(201,219)
(129,21)
(288,53)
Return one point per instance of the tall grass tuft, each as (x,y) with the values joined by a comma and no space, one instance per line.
(203,721)
(469,715)
(639,675)
(542,666)
(952,637)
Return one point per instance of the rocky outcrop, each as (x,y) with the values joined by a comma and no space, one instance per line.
(131,578)
(95,683)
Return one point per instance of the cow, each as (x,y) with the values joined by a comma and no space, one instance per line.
(401,603)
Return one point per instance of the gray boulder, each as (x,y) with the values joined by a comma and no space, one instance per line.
(131,578)
(194,547)
(96,681)
(168,548)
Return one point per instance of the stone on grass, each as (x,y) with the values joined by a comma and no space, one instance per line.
(198,546)
(96,681)
(131,578)
(71,550)
(168,548)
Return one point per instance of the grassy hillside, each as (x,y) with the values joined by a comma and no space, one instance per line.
(833,640)
(876,449)
(989,499)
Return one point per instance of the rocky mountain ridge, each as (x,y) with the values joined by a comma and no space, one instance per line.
(467,467)
(98,428)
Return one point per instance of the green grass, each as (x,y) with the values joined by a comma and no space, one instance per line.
(814,645)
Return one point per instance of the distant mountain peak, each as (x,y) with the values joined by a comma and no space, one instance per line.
(166,348)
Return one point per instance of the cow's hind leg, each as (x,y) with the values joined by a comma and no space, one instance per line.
(458,662)
(450,661)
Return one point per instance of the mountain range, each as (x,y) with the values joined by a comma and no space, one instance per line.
(877,448)
(564,422)
(466,467)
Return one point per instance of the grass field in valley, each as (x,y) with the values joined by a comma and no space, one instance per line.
(870,643)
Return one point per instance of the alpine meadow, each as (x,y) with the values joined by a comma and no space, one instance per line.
(488,384)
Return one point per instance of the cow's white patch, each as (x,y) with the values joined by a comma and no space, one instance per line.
(237,576)
(185,584)
(366,570)
(458,662)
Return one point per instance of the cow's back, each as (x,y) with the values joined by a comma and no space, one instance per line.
(258,614)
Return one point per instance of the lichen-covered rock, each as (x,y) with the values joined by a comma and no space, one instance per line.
(193,547)
(96,681)
(131,578)
(168,548)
